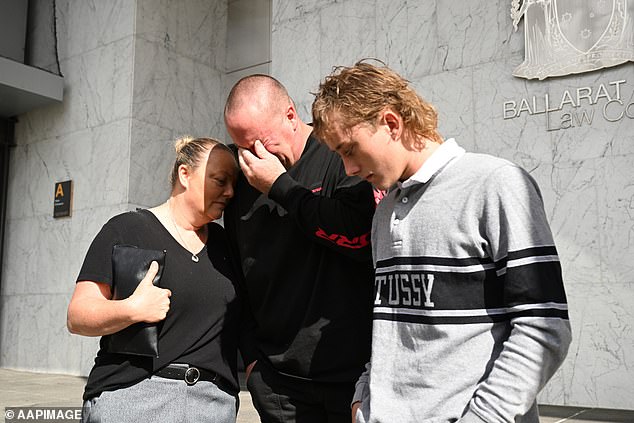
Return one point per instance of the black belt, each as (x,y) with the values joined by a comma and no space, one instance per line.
(191,375)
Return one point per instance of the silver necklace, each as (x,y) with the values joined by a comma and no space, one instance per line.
(194,255)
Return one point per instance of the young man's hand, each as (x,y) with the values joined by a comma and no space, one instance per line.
(355,407)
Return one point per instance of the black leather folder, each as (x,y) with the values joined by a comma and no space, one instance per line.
(129,266)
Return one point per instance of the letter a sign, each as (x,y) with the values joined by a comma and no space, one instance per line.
(63,198)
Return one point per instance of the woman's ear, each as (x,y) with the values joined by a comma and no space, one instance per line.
(183,175)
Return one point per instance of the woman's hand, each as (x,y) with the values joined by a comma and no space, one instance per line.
(149,303)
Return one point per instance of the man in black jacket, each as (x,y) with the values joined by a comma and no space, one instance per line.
(300,233)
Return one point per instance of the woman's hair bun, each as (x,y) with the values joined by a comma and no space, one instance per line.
(182,142)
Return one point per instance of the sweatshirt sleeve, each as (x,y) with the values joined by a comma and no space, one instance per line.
(521,244)
(362,387)
(340,222)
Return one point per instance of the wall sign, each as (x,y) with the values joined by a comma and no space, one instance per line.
(611,101)
(563,37)
(63,199)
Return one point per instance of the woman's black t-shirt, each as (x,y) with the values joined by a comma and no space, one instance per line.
(202,325)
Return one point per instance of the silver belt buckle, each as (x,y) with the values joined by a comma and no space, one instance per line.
(192,375)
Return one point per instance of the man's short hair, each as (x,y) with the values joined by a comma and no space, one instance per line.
(256,88)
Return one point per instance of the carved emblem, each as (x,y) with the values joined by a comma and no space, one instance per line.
(562,37)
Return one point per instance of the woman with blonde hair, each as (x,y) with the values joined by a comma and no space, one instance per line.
(196,308)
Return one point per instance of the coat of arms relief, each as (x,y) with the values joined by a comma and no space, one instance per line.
(563,37)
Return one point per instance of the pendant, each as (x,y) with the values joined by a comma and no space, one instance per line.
(194,258)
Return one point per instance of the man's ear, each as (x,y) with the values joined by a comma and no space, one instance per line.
(291,116)
(394,123)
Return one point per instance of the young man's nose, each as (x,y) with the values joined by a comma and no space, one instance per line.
(352,169)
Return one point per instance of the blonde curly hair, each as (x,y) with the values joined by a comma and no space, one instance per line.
(357,94)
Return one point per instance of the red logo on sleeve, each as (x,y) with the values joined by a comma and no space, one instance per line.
(344,241)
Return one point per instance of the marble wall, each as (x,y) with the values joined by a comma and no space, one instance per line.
(137,75)
(461,58)
(140,73)
(87,139)
(177,86)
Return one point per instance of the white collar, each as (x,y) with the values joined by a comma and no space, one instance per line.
(446,152)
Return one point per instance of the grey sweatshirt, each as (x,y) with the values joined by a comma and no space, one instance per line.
(470,316)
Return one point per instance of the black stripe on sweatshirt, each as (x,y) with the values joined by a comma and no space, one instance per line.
(454,320)
(433,261)
(535,252)
(533,283)
(467,261)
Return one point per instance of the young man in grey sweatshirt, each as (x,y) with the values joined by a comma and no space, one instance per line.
(470,316)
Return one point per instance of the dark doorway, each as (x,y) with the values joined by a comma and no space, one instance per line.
(6,141)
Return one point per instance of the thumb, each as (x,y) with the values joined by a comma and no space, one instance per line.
(151,273)
(244,157)
(260,150)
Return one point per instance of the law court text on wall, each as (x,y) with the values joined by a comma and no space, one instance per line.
(576,107)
